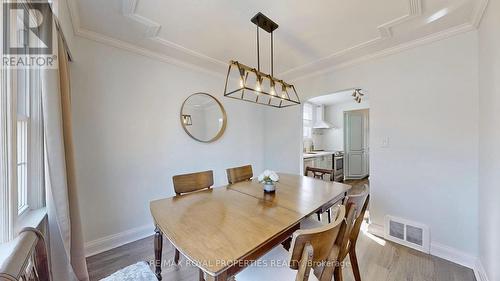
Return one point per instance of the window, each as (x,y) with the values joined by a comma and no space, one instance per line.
(308,120)
(23,136)
(21,146)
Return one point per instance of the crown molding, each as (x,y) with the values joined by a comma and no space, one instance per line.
(479,12)
(394,50)
(106,40)
(129,8)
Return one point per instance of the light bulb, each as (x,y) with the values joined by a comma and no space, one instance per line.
(272,91)
(242,83)
(258,85)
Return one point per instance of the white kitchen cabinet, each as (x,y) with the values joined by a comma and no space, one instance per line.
(320,161)
(308,162)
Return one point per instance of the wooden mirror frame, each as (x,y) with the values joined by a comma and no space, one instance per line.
(224,119)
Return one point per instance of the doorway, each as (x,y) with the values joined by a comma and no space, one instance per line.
(336,134)
(356,140)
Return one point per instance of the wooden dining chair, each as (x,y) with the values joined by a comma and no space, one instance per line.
(189,183)
(238,174)
(29,259)
(193,182)
(310,249)
(319,173)
(357,204)
(316,249)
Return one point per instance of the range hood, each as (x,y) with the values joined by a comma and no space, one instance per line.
(320,119)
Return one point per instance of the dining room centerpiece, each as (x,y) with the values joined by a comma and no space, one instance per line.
(269,179)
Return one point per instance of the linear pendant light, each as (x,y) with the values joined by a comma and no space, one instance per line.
(252,85)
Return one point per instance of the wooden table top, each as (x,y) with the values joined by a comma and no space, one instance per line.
(298,193)
(217,226)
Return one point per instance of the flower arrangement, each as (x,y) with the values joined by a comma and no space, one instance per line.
(269,179)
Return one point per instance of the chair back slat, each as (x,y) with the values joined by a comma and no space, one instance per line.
(356,207)
(362,201)
(193,182)
(319,173)
(238,174)
(305,263)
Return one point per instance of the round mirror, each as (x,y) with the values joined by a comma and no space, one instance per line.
(203,117)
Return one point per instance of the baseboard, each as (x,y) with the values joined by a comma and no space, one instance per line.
(453,255)
(115,240)
(376,229)
(479,271)
(445,252)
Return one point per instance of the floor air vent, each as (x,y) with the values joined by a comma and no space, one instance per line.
(407,233)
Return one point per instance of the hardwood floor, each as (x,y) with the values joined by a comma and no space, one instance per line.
(357,185)
(379,260)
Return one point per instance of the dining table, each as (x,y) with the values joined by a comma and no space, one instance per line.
(224,229)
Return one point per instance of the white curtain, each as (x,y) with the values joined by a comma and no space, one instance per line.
(66,241)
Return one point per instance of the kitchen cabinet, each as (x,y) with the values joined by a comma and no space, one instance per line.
(323,161)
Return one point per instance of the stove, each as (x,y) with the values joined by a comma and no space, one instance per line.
(338,166)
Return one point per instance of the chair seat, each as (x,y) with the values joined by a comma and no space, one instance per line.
(312,221)
(136,272)
(272,266)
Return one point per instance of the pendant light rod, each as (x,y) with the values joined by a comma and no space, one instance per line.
(258,50)
(261,21)
(272,55)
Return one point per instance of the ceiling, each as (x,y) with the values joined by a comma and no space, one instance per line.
(337,98)
(313,36)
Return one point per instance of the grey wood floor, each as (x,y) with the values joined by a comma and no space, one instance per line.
(379,261)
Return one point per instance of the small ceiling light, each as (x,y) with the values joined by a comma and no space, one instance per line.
(265,84)
(357,95)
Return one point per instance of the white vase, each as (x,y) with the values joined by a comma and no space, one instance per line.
(269,187)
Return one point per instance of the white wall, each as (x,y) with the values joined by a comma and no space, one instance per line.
(333,139)
(489,140)
(426,101)
(129,141)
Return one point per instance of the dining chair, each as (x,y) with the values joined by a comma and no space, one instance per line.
(28,260)
(238,174)
(310,249)
(359,203)
(319,173)
(189,183)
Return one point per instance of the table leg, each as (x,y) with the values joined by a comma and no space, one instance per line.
(201,275)
(286,244)
(158,241)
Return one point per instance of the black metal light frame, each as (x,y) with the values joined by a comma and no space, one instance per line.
(288,96)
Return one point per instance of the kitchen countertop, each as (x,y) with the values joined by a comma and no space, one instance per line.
(317,154)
